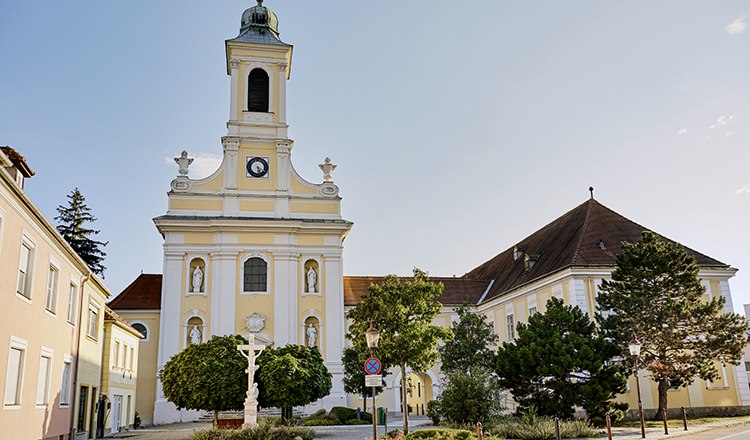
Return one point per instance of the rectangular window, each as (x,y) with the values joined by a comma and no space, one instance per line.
(14,375)
(747,366)
(83,398)
(132,354)
(124,356)
(42,387)
(25,265)
(53,279)
(65,388)
(116,362)
(72,303)
(92,330)
(511,327)
(532,311)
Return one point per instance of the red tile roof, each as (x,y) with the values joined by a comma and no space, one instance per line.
(457,291)
(571,240)
(111,315)
(142,294)
(18,161)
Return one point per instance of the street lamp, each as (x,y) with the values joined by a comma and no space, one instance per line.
(635,351)
(372,336)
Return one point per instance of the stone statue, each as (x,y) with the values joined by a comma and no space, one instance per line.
(251,351)
(195,335)
(197,279)
(327,167)
(312,277)
(312,336)
(183,162)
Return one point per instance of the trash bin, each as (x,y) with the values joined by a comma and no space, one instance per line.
(381,415)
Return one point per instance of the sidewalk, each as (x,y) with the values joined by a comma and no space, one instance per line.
(658,433)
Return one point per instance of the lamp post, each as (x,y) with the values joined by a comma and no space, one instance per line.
(635,351)
(372,335)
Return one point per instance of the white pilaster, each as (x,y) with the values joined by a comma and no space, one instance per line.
(285,299)
(234,65)
(282,92)
(334,328)
(727,294)
(231,148)
(223,293)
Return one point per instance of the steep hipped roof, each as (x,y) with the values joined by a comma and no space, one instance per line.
(457,291)
(589,235)
(142,294)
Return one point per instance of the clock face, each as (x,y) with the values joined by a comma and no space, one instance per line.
(257,167)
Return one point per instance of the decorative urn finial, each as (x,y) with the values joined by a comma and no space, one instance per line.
(183,162)
(327,167)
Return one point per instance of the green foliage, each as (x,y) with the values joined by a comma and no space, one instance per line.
(403,312)
(655,294)
(559,361)
(541,428)
(469,399)
(470,348)
(345,414)
(290,376)
(354,374)
(445,434)
(209,376)
(262,432)
(70,224)
(434,411)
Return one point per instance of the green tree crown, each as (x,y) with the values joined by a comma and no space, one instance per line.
(70,224)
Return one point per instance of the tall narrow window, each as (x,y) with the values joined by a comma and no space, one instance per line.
(72,303)
(92,330)
(255,275)
(24,270)
(14,376)
(42,387)
(65,388)
(116,350)
(511,328)
(53,278)
(257,91)
(132,355)
(83,399)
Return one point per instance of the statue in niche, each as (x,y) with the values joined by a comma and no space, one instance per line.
(312,277)
(312,336)
(197,279)
(195,335)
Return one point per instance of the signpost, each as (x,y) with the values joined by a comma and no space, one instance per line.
(374,380)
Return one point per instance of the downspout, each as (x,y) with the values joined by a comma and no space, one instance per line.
(84,279)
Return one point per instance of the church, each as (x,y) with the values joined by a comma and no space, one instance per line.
(254,248)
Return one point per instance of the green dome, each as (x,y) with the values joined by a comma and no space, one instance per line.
(259,18)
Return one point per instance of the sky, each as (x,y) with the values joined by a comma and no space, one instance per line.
(458,128)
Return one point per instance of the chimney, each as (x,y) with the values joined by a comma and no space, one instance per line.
(15,165)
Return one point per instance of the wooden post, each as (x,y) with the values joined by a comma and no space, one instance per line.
(557,429)
(664,418)
(480,434)
(684,417)
(385,420)
(609,426)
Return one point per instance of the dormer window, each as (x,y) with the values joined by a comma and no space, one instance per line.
(257,91)
(529,261)
(517,253)
(602,246)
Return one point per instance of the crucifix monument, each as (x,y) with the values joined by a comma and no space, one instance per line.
(251,351)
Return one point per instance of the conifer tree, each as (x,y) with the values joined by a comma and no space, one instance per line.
(470,351)
(559,361)
(70,224)
(655,294)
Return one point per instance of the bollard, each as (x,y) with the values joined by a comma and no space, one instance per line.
(684,417)
(557,429)
(480,434)
(664,418)
(385,421)
(609,426)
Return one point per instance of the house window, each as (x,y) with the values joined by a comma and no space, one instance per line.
(42,387)
(65,388)
(83,398)
(25,267)
(747,366)
(124,356)
(142,329)
(72,303)
(511,327)
(116,350)
(257,91)
(255,275)
(14,374)
(53,279)
(92,330)
(532,311)
(132,356)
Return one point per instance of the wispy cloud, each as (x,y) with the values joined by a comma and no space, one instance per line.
(744,189)
(738,26)
(722,121)
(682,131)
(203,165)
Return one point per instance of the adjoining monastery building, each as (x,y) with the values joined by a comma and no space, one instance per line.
(255,248)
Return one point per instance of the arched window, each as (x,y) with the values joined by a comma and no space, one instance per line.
(255,275)
(142,329)
(257,91)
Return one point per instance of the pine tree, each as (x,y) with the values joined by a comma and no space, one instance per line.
(655,294)
(71,220)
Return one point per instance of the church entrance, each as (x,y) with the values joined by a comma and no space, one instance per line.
(418,392)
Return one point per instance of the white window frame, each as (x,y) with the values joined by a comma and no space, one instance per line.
(132,356)
(21,345)
(44,378)
(66,382)
(96,310)
(53,286)
(30,244)
(510,326)
(72,302)
(148,330)
(116,354)
(242,271)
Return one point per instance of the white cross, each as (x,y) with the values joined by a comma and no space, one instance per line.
(251,351)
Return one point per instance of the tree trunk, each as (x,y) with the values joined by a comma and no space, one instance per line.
(364,403)
(216,418)
(663,388)
(404,405)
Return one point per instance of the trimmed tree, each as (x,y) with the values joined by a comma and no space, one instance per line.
(470,351)
(290,376)
(208,377)
(468,399)
(655,294)
(403,312)
(70,224)
(354,375)
(559,361)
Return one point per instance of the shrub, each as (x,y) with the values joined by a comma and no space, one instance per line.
(445,434)
(469,399)
(321,422)
(262,432)
(531,427)
(433,411)
(319,414)
(344,414)
(358,422)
